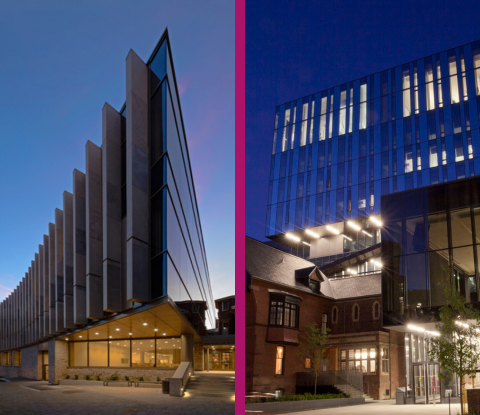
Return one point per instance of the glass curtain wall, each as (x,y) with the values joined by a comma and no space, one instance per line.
(404,128)
(429,238)
(161,353)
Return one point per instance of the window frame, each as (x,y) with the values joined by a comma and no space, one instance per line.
(355,306)
(223,306)
(282,359)
(293,305)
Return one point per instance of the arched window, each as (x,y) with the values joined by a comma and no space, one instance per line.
(355,312)
(334,314)
(376,310)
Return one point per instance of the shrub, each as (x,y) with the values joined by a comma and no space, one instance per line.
(76,377)
(88,377)
(97,376)
(67,377)
(127,378)
(114,376)
(158,379)
(141,379)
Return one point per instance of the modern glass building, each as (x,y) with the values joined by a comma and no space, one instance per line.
(121,280)
(430,239)
(337,152)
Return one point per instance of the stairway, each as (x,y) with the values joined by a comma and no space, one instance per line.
(353,392)
(211,385)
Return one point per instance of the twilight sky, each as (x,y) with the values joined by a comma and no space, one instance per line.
(60,62)
(296,48)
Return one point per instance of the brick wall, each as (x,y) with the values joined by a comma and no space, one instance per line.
(366,332)
(198,356)
(57,360)
(30,368)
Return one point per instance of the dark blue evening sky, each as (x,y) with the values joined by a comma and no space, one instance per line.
(296,48)
(60,62)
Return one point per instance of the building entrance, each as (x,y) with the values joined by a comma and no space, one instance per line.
(426,383)
(44,365)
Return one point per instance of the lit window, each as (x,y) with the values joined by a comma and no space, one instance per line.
(303,139)
(408,161)
(452,69)
(433,158)
(279,366)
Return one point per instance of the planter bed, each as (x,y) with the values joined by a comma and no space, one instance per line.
(294,406)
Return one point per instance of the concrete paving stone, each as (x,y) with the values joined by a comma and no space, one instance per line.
(19,398)
(378,408)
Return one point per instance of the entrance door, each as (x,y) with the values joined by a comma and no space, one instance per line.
(45,366)
(433,386)
(226,361)
(419,383)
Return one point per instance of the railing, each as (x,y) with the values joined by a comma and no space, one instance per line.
(348,381)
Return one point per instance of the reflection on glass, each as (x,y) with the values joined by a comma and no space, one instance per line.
(143,353)
(408,160)
(461,227)
(433,157)
(78,354)
(98,354)
(168,353)
(303,135)
(120,353)
(437,231)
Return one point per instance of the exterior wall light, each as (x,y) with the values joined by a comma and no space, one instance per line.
(306,243)
(311,233)
(375,221)
(366,233)
(353,225)
(346,237)
(289,235)
(333,230)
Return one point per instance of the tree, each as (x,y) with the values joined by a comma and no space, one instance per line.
(456,348)
(313,346)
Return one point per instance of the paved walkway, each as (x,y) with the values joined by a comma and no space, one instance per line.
(386,407)
(37,397)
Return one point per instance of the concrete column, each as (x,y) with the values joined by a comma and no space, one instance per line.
(94,231)
(46,285)
(187,348)
(208,359)
(52,277)
(59,320)
(113,298)
(137,98)
(79,250)
(68,260)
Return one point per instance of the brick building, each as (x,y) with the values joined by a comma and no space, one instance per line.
(226,315)
(285,292)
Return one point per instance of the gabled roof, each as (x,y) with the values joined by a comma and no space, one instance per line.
(265,262)
(362,286)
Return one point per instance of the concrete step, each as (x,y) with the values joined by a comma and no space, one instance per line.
(215,394)
(214,387)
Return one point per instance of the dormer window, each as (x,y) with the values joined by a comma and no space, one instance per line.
(314,286)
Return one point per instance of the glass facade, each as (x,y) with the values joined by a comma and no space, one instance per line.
(177,256)
(157,352)
(336,152)
(430,236)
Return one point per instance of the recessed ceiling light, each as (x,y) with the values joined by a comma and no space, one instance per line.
(375,221)
(117,329)
(155,330)
(164,334)
(129,334)
(353,225)
(311,233)
(333,230)
(80,336)
(144,324)
(96,334)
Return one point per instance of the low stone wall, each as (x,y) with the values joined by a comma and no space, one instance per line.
(149,373)
(297,406)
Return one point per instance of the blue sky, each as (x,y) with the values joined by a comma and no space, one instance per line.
(60,62)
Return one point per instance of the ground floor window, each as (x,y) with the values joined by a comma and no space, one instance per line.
(17,358)
(363,359)
(161,352)
(385,359)
(279,367)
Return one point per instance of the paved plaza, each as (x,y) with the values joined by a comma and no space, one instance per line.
(38,397)
(386,407)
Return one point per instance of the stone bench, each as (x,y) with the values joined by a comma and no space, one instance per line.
(137,382)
